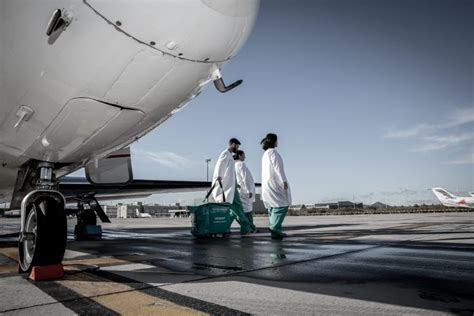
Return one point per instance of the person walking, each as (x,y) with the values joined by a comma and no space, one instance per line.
(276,193)
(246,187)
(224,172)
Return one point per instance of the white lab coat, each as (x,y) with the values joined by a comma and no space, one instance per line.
(273,176)
(247,185)
(225,168)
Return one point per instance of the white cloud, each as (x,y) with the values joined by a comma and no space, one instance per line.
(432,143)
(459,117)
(439,136)
(410,132)
(467,160)
(166,159)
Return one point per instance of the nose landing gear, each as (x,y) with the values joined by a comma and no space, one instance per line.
(43,232)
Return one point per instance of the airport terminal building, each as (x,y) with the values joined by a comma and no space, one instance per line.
(134,210)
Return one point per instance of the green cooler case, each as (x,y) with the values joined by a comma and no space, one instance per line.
(210,219)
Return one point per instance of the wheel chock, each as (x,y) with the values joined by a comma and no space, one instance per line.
(41,273)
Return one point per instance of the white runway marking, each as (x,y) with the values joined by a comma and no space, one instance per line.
(128,267)
(126,234)
(71,254)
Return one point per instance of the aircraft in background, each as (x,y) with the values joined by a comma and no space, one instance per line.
(451,200)
(142,214)
(82,79)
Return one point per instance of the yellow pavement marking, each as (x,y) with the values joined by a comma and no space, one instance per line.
(10,252)
(8,269)
(136,303)
(91,285)
(95,261)
(122,298)
(118,297)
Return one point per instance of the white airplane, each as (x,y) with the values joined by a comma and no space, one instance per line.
(451,200)
(82,79)
(142,214)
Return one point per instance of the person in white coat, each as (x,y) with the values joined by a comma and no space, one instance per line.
(224,172)
(276,193)
(246,186)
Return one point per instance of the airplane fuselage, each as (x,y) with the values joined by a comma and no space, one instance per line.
(114,73)
(464,202)
(450,200)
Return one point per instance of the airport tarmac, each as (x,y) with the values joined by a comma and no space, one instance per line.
(410,264)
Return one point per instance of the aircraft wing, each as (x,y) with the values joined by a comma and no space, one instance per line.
(73,187)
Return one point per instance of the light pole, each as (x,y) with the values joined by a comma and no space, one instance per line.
(208,160)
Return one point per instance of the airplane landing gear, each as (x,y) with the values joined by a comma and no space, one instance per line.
(43,232)
(87,228)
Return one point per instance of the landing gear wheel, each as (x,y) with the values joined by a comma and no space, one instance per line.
(46,234)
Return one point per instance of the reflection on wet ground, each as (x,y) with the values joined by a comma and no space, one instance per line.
(340,264)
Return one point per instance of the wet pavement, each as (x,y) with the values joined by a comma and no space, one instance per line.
(415,264)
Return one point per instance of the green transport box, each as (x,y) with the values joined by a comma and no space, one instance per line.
(210,219)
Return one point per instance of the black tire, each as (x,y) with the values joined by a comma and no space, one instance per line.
(50,230)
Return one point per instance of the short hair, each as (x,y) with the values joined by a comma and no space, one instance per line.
(234,141)
(238,153)
(269,141)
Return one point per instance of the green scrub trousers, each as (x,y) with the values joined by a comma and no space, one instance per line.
(238,214)
(276,215)
(249,216)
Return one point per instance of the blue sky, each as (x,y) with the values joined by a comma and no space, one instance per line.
(371,99)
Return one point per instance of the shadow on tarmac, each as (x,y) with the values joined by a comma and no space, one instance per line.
(426,274)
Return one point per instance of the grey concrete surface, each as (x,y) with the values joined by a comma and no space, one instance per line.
(410,264)
(56,309)
(18,294)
